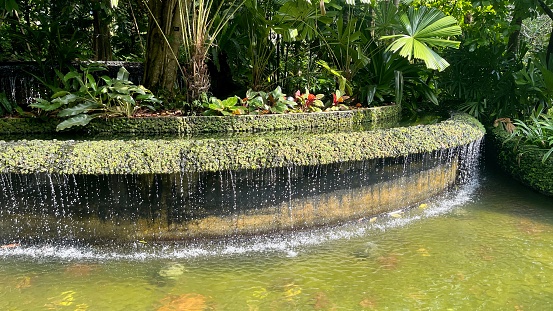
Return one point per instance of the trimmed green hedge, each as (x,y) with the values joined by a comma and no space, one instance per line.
(212,124)
(144,156)
(524,165)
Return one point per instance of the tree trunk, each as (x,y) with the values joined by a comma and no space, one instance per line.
(101,40)
(514,39)
(197,75)
(549,52)
(162,46)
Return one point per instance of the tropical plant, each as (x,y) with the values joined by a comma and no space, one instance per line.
(7,7)
(246,52)
(82,99)
(338,99)
(255,102)
(308,102)
(392,78)
(9,108)
(420,30)
(259,102)
(535,133)
(348,44)
(202,22)
(535,83)
(300,20)
(480,81)
(344,85)
(230,106)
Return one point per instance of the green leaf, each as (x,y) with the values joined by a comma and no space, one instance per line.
(43,104)
(11,6)
(215,106)
(78,120)
(423,28)
(107,80)
(251,94)
(122,89)
(65,100)
(93,67)
(70,75)
(230,102)
(5,103)
(279,108)
(123,74)
(78,109)
(146,97)
(91,82)
(59,94)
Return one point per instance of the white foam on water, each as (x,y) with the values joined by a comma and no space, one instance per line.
(286,244)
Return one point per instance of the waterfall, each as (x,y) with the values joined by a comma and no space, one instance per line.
(89,209)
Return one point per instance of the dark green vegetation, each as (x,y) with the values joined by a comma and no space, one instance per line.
(141,156)
(524,163)
(491,59)
(276,56)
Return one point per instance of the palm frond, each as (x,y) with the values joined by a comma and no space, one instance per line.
(420,30)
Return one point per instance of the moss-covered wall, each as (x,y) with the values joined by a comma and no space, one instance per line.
(143,156)
(11,126)
(212,124)
(524,165)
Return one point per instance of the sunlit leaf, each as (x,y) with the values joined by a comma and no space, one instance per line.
(423,28)
(123,74)
(78,120)
(78,109)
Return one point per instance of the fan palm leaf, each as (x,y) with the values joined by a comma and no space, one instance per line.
(422,29)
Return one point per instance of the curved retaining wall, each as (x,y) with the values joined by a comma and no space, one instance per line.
(524,165)
(159,156)
(212,205)
(213,124)
(178,189)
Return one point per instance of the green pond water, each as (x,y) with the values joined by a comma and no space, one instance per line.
(485,246)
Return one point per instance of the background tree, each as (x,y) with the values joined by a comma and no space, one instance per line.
(163,43)
(101,36)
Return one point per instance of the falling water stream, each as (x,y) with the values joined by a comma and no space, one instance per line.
(482,245)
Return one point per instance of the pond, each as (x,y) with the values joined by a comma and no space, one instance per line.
(483,246)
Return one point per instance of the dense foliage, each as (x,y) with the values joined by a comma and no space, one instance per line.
(220,57)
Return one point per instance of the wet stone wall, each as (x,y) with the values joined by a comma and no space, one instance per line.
(100,209)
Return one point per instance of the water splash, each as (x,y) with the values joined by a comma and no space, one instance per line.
(224,212)
(287,244)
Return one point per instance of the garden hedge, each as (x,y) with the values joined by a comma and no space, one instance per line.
(523,164)
(170,155)
(211,124)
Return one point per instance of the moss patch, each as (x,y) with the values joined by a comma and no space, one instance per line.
(143,156)
(213,124)
(524,165)
(27,125)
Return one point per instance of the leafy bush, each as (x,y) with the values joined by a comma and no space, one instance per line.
(535,83)
(480,82)
(9,108)
(537,132)
(230,106)
(308,102)
(254,103)
(82,98)
(274,102)
(5,105)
